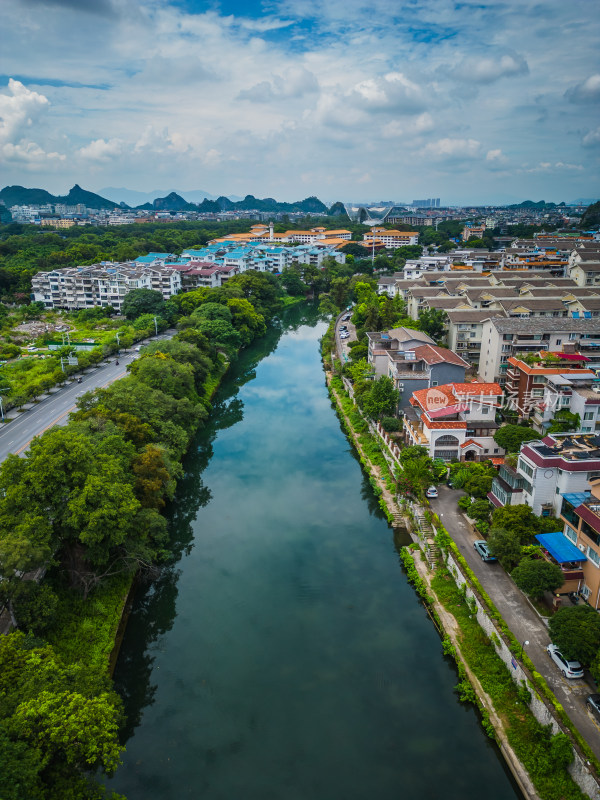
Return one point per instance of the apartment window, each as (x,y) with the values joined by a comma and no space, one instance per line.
(588,415)
(495,449)
(434,383)
(586,429)
(593,556)
(485,409)
(523,467)
(559,341)
(570,534)
(573,336)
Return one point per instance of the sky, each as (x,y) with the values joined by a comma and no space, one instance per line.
(353,100)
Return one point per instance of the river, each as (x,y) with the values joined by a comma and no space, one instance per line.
(284,656)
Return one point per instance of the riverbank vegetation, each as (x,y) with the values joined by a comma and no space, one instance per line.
(85,503)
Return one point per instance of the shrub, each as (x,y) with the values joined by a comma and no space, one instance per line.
(534,577)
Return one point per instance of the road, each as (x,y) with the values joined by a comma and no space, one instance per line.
(54,409)
(342,348)
(523,621)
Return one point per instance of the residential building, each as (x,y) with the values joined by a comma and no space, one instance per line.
(580,513)
(507,487)
(540,389)
(514,336)
(390,238)
(455,421)
(392,341)
(559,464)
(473,231)
(423,367)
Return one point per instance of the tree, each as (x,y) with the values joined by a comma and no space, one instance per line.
(535,576)
(432,321)
(576,631)
(511,437)
(159,371)
(292,282)
(564,421)
(505,546)
(221,333)
(520,520)
(381,399)
(142,301)
(415,476)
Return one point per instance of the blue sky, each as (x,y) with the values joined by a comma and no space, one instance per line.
(346,99)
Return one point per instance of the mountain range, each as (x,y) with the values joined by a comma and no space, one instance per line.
(19,195)
(134,198)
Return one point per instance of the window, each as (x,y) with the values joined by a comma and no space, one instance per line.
(495,449)
(586,429)
(523,467)
(485,409)
(588,415)
(573,336)
(586,591)
(593,556)
(570,534)
(434,383)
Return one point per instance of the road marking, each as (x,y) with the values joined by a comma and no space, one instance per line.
(68,411)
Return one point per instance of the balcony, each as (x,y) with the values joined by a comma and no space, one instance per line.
(414,432)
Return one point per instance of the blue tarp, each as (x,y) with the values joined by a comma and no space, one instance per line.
(560,548)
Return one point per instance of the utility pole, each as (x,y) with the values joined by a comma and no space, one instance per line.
(155,326)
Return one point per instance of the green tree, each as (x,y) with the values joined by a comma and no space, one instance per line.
(292,282)
(535,576)
(511,437)
(432,321)
(415,476)
(520,520)
(142,301)
(381,399)
(505,546)
(576,631)
(159,371)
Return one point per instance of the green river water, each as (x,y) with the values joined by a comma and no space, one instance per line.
(284,656)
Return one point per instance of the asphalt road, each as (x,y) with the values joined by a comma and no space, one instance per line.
(519,616)
(342,344)
(54,409)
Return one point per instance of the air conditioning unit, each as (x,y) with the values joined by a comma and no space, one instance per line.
(581,547)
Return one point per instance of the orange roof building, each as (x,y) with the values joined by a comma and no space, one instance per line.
(455,421)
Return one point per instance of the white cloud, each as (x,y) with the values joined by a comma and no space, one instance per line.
(294,83)
(18,110)
(28,154)
(408,127)
(101,149)
(486,69)
(548,166)
(452,149)
(586,92)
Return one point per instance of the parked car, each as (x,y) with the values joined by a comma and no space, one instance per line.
(344,336)
(570,669)
(431,492)
(449,483)
(345,318)
(481,546)
(593,705)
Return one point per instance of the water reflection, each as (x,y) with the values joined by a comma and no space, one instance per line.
(154,601)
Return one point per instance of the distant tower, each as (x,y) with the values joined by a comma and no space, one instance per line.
(271,231)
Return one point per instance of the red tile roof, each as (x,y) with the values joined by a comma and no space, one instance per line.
(477,388)
(471,441)
(438,355)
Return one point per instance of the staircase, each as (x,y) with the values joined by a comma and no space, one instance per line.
(427,537)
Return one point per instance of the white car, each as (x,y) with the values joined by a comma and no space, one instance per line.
(570,669)
(431,492)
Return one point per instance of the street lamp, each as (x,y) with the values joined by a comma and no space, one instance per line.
(523,644)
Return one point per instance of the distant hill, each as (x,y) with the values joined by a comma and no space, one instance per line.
(173,201)
(541,204)
(591,216)
(135,198)
(19,196)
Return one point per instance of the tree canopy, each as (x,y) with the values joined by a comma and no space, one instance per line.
(576,631)
(142,301)
(511,437)
(536,576)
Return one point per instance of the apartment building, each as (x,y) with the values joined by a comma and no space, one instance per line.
(393,341)
(465,332)
(104,284)
(556,381)
(472,230)
(390,239)
(455,421)
(504,337)
(584,265)
(580,513)
(556,465)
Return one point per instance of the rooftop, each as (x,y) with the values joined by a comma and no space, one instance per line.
(543,324)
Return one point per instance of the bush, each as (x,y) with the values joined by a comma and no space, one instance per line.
(391,424)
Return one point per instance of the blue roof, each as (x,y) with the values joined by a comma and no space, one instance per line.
(560,548)
(576,498)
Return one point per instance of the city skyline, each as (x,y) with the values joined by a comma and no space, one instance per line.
(477,103)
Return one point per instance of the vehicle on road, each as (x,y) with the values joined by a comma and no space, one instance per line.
(431,492)
(345,336)
(481,547)
(345,318)
(569,669)
(593,705)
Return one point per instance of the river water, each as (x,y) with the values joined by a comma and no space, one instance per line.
(284,656)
